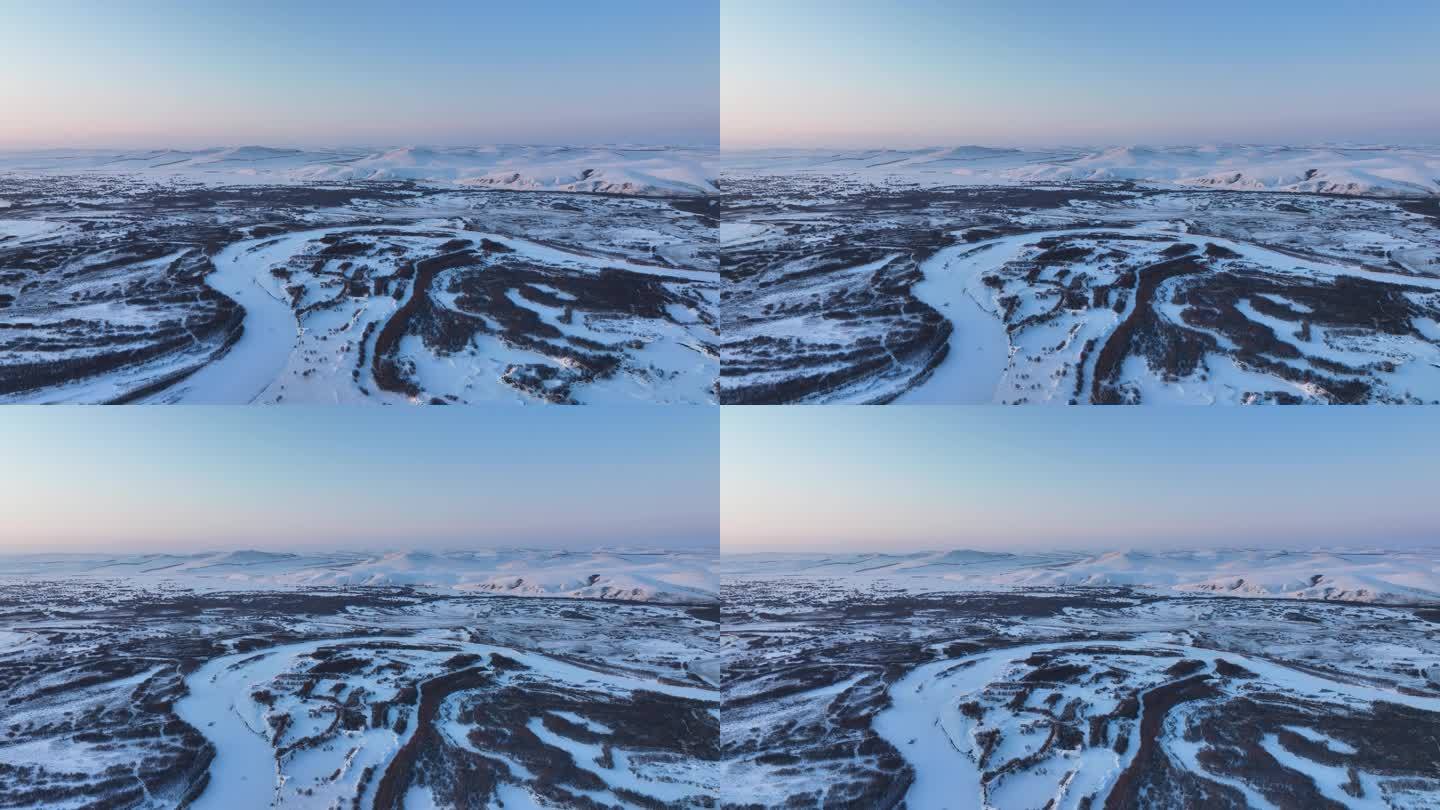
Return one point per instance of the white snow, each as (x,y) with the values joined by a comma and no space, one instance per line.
(1395,171)
(1327,778)
(638,575)
(1408,576)
(632,170)
(22,229)
(979,346)
(244,372)
(1315,736)
(220,706)
(925,725)
(979,367)
(272,362)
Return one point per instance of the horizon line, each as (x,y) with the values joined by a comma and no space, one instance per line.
(1330,549)
(612,549)
(373,146)
(1091,145)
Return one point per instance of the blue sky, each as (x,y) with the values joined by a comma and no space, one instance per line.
(908,478)
(932,72)
(196,478)
(323,72)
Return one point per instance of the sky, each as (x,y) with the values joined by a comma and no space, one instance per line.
(186,479)
(908,73)
(922,478)
(174,73)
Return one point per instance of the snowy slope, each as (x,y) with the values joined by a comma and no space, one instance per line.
(1388,171)
(1364,576)
(637,170)
(638,575)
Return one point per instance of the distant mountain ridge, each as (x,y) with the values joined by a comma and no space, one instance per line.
(1385,171)
(1397,577)
(631,170)
(621,575)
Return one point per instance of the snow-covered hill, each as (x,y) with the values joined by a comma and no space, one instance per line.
(634,170)
(1407,577)
(1387,171)
(640,575)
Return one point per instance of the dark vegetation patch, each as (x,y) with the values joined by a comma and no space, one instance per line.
(1142,317)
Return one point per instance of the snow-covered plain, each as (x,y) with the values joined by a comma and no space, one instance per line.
(221,703)
(118,288)
(1225,275)
(1374,170)
(637,170)
(1388,576)
(923,723)
(359,680)
(635,575)
(1065,681)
